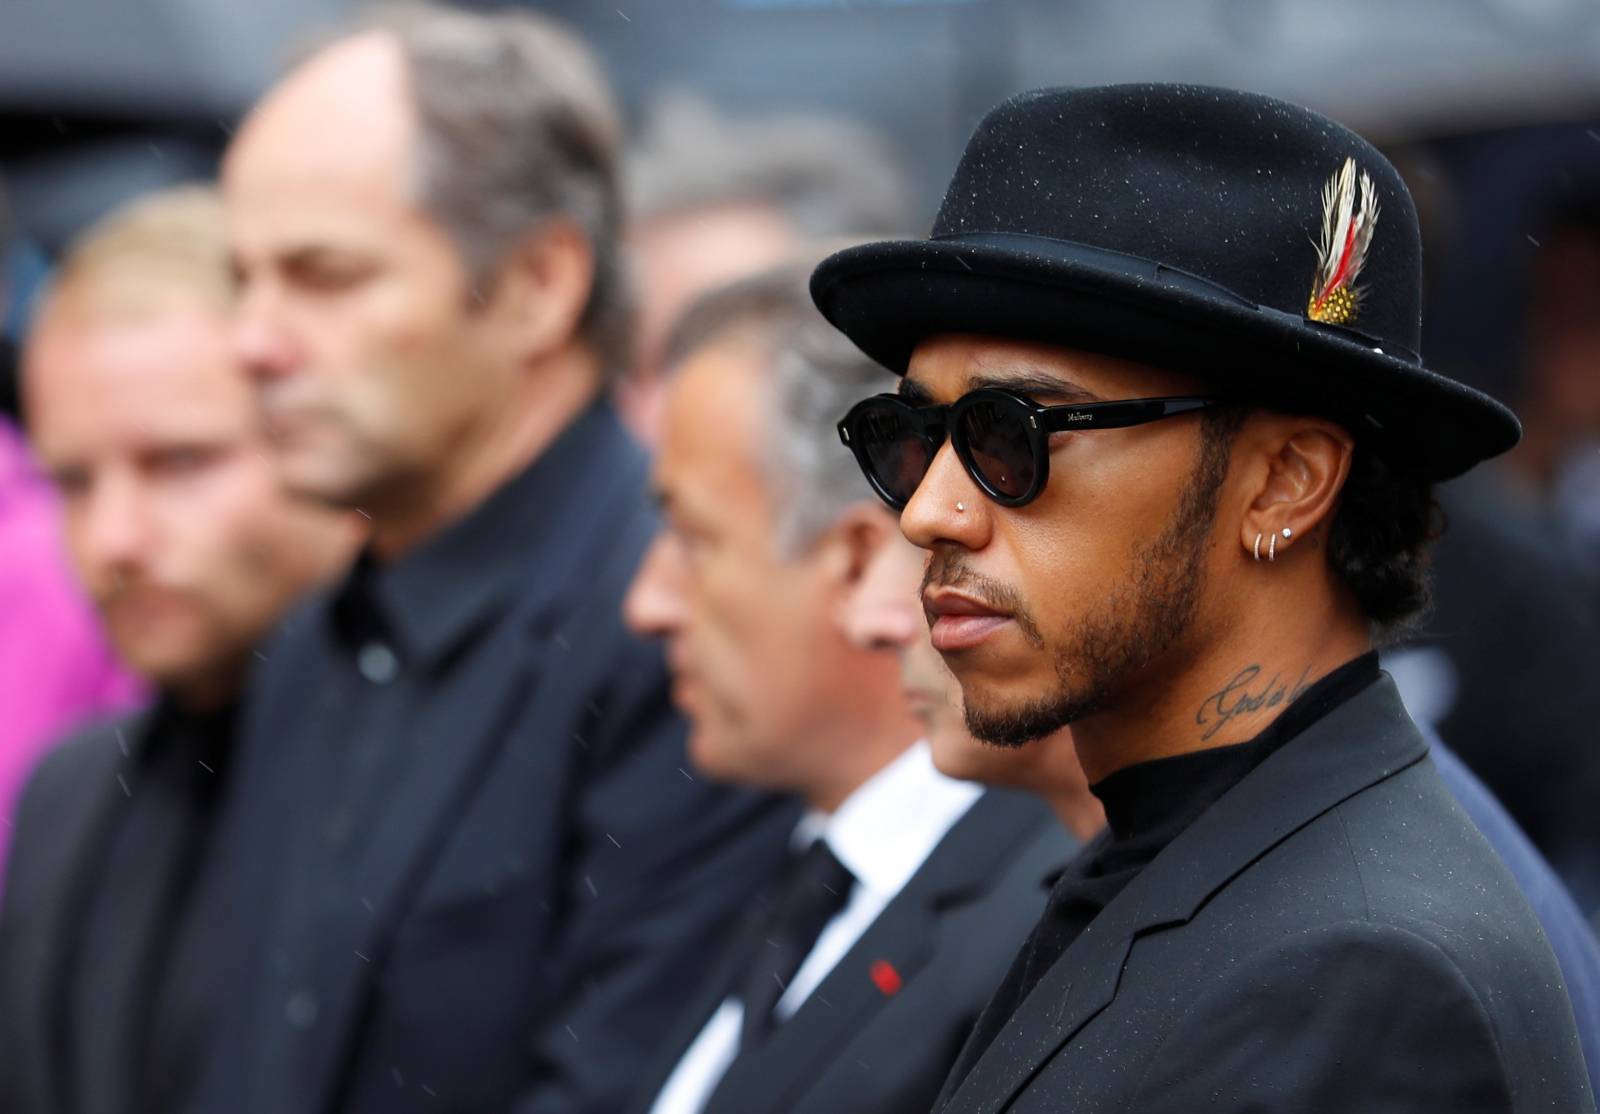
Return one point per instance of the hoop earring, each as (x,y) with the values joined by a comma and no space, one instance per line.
(1258,547)
(1272,548)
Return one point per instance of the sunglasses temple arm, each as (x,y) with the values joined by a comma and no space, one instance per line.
(1118,415)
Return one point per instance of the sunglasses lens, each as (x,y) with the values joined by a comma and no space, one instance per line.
(998,445)
(893,449)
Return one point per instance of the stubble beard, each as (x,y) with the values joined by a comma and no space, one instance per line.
(1140,619)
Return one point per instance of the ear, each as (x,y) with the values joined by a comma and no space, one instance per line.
(844,554)
(541,288)
(1297,469)
(854,540)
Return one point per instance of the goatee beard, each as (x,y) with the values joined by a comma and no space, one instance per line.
(1149,611)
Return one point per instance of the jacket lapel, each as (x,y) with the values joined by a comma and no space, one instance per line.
(964,864)
(1358,744)
(68,872)
(719,985)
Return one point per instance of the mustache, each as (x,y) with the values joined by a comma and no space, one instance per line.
(119,587)
(948,568)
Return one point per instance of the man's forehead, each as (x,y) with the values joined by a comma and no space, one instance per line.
(714,410)
(340,121)
(943,368)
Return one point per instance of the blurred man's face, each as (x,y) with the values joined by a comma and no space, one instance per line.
(356,323)
(749,632)
(1051,611)
(676,257)
(886,611)
(174,517)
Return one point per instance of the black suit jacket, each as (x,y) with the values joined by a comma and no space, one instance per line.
(535,903)
(55,851)
(948,936)
(1332,935)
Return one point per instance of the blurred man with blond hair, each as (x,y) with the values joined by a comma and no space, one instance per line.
(473,873)
(110,966)
(56,669)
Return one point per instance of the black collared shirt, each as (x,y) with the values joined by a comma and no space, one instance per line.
(393,633)
(145,982)
(1148,805)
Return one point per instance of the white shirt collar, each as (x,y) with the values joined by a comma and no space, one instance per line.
(889,825)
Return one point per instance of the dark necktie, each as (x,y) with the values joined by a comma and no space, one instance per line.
(815,890)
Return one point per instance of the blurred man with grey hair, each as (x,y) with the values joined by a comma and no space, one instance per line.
(473,875)
(855,983)
(713,198)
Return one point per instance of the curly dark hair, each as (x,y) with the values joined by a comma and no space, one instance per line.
(1378,541)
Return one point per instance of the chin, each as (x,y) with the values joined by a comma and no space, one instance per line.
(170,669)
(708,755)
(314,477)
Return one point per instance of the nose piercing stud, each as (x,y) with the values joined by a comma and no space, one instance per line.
(961,508)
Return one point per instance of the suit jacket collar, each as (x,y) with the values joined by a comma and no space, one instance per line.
(1356,745)
(895,948)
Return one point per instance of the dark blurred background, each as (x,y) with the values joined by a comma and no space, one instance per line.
(1491,108)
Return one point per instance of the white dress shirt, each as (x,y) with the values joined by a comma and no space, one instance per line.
(881,833)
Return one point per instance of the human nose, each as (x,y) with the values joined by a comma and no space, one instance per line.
(653,605)
(947,506)
(261,342)
(113,529)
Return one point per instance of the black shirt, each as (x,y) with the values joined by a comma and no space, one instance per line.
(143,987)
(1148,805)
(394,633)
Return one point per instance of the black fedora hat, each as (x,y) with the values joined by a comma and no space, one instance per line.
(1257,244)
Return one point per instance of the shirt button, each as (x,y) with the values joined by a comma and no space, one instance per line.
(378,663)
(301,1009)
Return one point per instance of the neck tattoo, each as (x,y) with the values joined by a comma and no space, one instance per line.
(1243,697)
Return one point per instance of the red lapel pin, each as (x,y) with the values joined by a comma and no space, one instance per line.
(886,978)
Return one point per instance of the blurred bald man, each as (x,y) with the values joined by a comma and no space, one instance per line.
(474,874)
(110,970)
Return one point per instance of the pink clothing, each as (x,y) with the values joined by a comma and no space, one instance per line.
(56,670)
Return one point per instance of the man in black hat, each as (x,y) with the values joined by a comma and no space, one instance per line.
(1170,335)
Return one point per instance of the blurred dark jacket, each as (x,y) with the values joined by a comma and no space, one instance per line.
(858,1046)
(542,878)
(1519,624)
(109,932)
(1569,933)
(1332,934)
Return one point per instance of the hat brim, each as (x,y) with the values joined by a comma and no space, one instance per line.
(889,297)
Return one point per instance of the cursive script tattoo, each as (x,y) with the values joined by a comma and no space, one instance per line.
(1234,699)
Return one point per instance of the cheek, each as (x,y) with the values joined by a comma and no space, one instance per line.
(730,638)
(754,643)
(222,531)
(393,352)
(1073,546)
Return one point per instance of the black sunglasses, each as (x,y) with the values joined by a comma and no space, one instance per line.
(1001,438)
